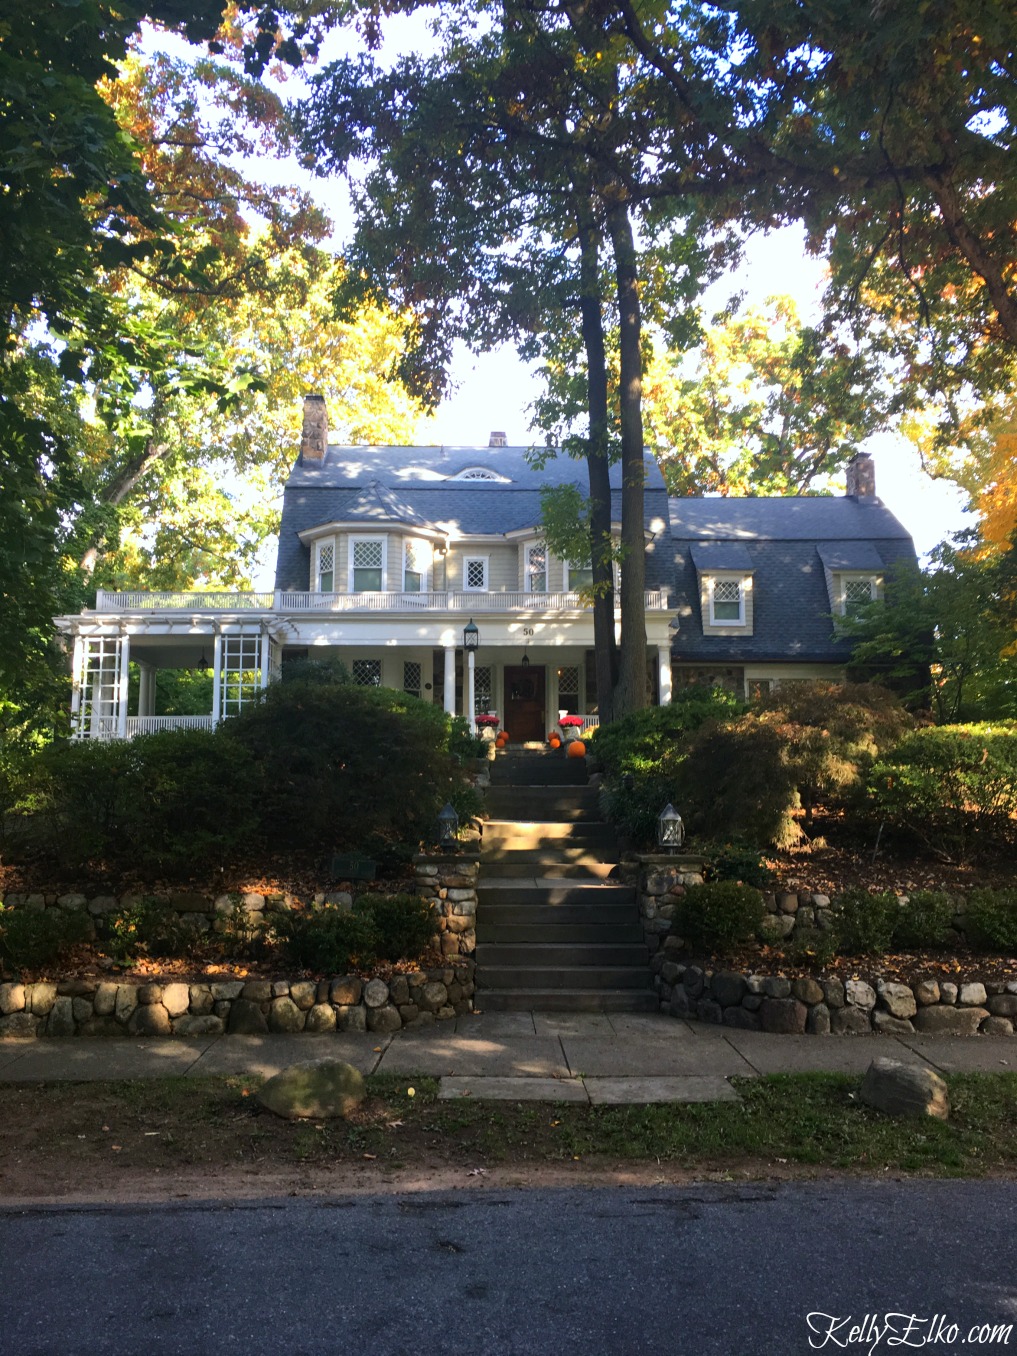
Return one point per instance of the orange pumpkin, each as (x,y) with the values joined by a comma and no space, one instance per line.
(500,742)
(554,741)
(577,749)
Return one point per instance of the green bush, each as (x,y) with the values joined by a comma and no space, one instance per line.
(923,923)
(737,861)
(865,922)
(636,742)
(811,946)
(991,920)
(462,744)
(149,927)
(31,939)
(329,941)
(947,783)
(405,924)
(89,790)
(718,915)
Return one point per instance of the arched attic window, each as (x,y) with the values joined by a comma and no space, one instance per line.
(480,473)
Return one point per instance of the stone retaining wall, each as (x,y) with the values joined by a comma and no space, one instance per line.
(754,1002)
(84,1007)
(346,1003)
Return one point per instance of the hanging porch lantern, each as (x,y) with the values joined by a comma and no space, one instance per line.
(471,636)
(670,829)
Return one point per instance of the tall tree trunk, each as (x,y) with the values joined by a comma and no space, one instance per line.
(630,691)
(605,647)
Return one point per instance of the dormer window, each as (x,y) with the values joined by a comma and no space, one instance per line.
(480,473)
(856,592)
(727,602)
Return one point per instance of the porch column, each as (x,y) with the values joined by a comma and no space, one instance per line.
(265,647)
(77,678)
(450,679)
(123,688)
(146,690)
(216,678)
(664,674)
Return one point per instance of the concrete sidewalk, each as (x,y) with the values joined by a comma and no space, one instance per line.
(517,1056)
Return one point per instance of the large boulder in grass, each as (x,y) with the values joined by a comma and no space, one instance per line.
(315,1089)
(905,1090)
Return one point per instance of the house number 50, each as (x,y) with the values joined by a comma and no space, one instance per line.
(527,630)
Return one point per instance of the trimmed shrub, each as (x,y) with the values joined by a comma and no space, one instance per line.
(718,915)
(811,946)
(637,742)
(406,924)
(31,939)
(329,940)
(991,919)
(149,927)
(946,783)
(737,861)
(923,923)
(865,922)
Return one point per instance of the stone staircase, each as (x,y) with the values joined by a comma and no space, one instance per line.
(555,931)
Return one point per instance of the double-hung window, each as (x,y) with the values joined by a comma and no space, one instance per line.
(727,602)
(367,565)
(536,568)
(855,593)
(475,574)
(580,576)
(415,555)
(325,566)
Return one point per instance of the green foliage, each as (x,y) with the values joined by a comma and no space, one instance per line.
(815,947)
(865,923)
(406,924)
(345,767)
(718,915)
(329,940)
(31,939)
(737,861)
(636,741)
(991,919)
(950,784)
(463,745)
(923,923)
(149,927)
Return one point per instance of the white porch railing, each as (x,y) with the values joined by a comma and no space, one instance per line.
(152,724)
(472,603)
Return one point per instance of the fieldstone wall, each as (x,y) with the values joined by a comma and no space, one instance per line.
(415,998)
(660,882)
(823,1007)
(346,1003)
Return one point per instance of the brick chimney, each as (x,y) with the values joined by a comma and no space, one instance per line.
(861,478)
(314,435)
(498,440)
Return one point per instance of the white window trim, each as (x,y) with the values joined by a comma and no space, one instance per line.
(373,536)
(531,546)
(486,585)
(425,573)
(567,574)
(874,582)
(743,585)
(319,546)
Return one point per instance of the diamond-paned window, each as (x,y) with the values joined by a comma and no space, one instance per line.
(483,689)
(368,566)
(414,567)
(412,674)
(726,601)
(475,574)
(568,686)
(580,577)
(367,672)
(858,592)
(536,568)
(326,567)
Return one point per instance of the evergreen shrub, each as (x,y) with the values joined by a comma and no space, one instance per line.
(991,920)
(636,742)
(406,924)
(329,941)
(864,922)
(31,939)
(923,923)
(718,915)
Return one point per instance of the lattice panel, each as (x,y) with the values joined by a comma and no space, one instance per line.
(412,675)
(568,685)
(476,574)
(367,672)
(367,555)
(483,689)
(727,591)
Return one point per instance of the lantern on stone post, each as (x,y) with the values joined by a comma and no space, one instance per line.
(670,829)
(448,826)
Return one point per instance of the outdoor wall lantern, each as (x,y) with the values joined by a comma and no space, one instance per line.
(471,636)
(526,660)
(670,829)
(448,826)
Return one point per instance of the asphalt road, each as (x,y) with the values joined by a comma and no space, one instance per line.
(716,1270)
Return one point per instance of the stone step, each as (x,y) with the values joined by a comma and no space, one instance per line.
(566,1000)
(523,771)
(591,872)
(542,803)
(562,854)
(536,916)
(556,955)
(540,933)
(549,892)
(565,976)
(501,835)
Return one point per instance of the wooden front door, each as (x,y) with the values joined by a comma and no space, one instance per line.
(524,703)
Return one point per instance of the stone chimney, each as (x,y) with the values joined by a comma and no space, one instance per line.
(314,435)
(498,440)
(861,478)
